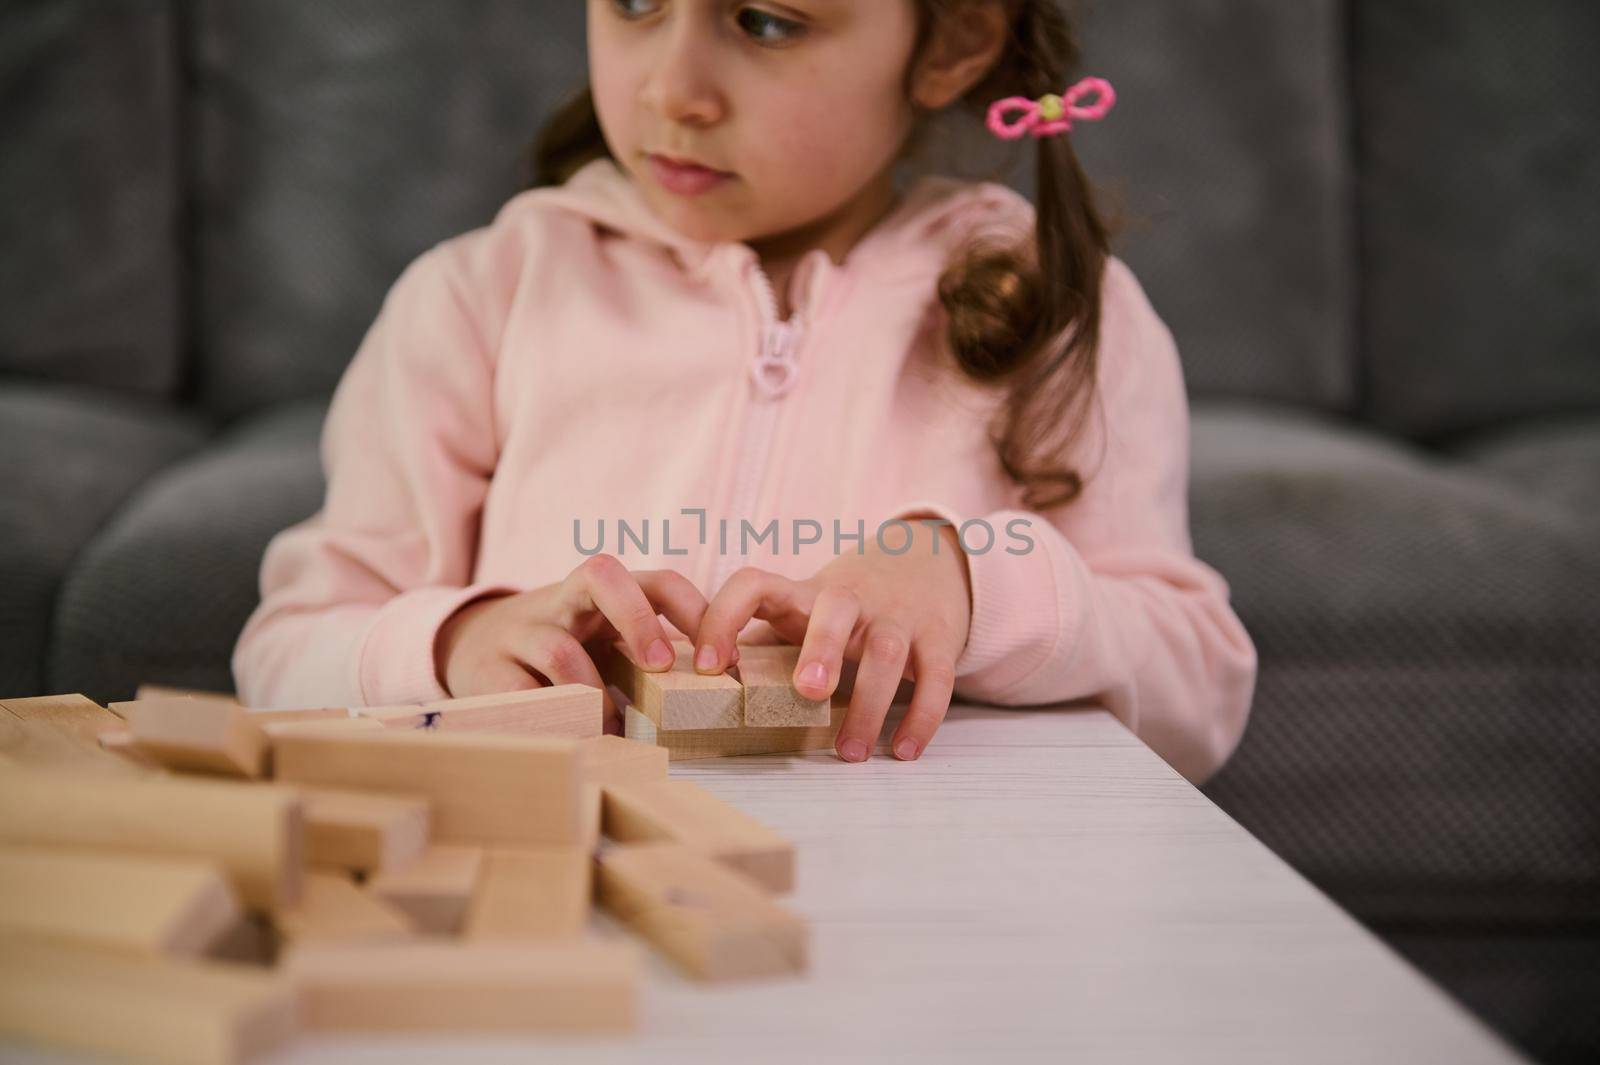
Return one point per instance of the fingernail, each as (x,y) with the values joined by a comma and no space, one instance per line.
(707,658)
(659,655)
(814,675)
(906,749)
(853,751)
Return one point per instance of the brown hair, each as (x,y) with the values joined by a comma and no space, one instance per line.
(1031,323)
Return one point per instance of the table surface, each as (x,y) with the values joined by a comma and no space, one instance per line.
(1041,886)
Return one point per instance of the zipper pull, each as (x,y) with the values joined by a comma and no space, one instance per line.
(775,370)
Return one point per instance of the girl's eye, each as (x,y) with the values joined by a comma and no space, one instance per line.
(778,30)
(764,27)
(632,9)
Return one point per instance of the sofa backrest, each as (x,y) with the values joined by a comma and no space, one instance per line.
(1228,147)
(337,141)
(1478,129)
(90,194)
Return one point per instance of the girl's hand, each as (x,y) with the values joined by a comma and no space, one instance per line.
(897,616)
(496,644)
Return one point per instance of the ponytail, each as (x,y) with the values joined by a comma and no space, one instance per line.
(1032,321)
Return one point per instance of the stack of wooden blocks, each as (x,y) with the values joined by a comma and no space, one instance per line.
(752,709)
(187,880)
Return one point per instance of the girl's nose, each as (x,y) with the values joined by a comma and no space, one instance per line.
(682,86)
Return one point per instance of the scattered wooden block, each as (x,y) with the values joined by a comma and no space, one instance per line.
(77,714)
(715,923)
(532,894)
(508,790)
(251,940)
(681,811)
(770,697)
(119,741)
(199,736)
(332,907)
(332,724)
(284,717)
(684,744)
(40,745)
(615,760)
(435,890)
(162,691)
(124,902)
(190,1012)
(579,986)
(253,831)
(363,831)
(575,710)
(678,698)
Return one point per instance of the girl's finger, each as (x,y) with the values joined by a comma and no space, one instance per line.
(749,593)
(615,592)
(557,654)
(833,620)
(884,647)
(930,700)
(498,674)
(674,595)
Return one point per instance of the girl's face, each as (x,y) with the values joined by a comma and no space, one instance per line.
(801,103)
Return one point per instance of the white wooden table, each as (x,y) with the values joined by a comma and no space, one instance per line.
(1040,886)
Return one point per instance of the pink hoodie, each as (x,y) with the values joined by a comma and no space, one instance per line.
(577,365)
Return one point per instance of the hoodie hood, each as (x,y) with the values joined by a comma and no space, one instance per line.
(934,210)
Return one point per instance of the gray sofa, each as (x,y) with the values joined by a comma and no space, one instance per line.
(1371,224)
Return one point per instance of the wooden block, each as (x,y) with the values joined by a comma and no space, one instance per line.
(162,691)
(576,986)
(77,714)
(119,741)
(575,710)
(770,697)
(124,902)
(253,831)
(284,717)
(678,698)
(731,742)
(251,940)
(199,736)
(332,724)
(363,831)
(507,790)
(615,760)
(716,923)
(531,894)
(681,811)
(189,1012)
(435,890)
(332,907)
(40,745)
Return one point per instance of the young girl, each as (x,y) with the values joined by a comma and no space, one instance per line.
(933,435)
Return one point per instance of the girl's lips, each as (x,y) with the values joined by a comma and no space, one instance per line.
(685,180)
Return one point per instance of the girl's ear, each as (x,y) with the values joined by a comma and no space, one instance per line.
(963,44)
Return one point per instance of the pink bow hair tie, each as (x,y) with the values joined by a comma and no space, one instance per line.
(1051,114)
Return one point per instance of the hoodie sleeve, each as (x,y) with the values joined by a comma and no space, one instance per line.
(1104,600)
(352,597)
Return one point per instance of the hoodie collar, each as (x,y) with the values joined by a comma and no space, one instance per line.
(934,209)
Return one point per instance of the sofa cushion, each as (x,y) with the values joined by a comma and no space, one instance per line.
(1478,127)
(1554,460)
(1428,678)
(162,593)
(90,193)
(72,455)
(1228,149)
(337,141)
